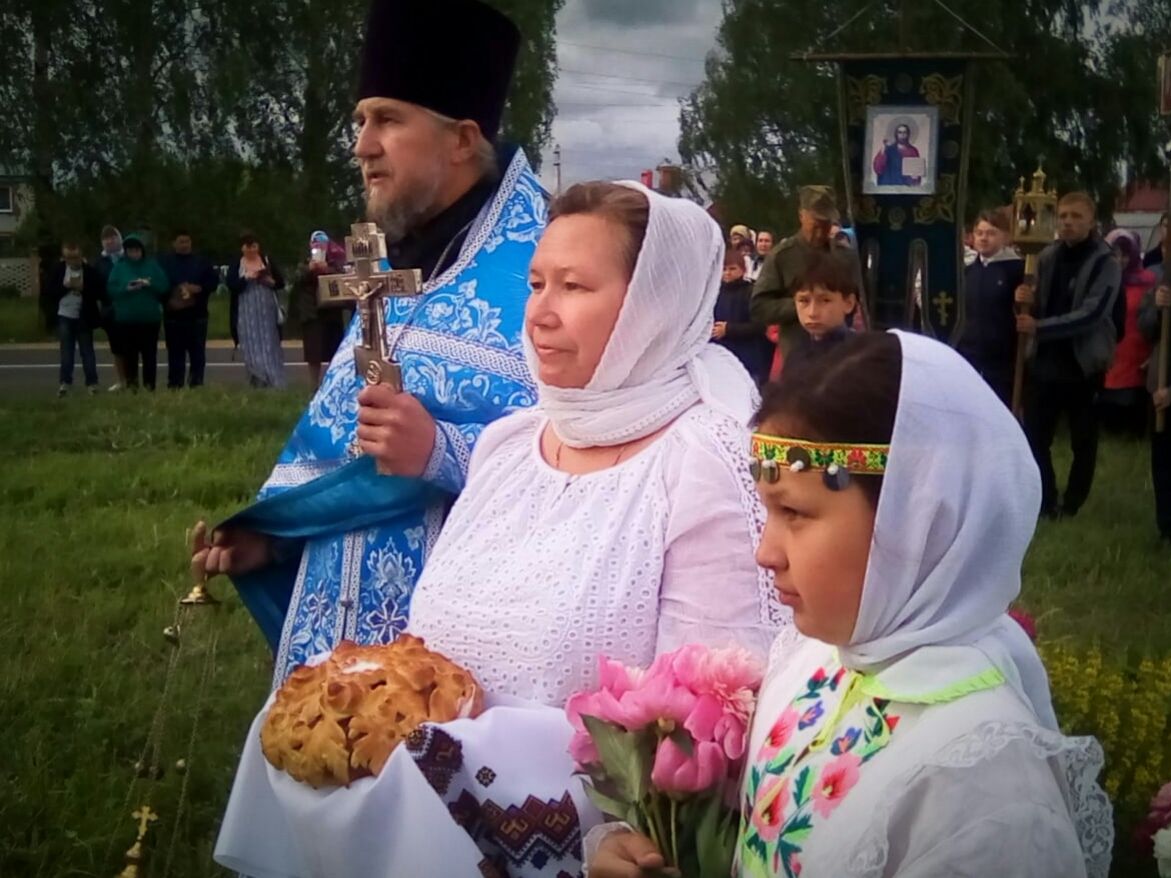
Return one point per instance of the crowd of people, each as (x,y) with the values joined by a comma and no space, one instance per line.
(581,463)
(1090,322)
(134,296)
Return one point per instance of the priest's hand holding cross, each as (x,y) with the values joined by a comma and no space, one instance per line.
(396,430)
(393,427)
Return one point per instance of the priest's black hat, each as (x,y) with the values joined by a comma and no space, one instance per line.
(454,57)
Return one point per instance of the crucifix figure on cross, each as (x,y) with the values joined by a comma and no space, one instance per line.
(367,287)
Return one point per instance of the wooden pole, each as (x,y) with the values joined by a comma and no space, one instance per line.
(1022,342)
(1164,343)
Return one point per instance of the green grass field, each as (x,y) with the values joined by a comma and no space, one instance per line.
(96,496)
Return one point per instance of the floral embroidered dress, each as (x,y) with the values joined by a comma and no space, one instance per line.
(850,776)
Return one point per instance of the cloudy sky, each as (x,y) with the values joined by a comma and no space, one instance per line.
(624,64)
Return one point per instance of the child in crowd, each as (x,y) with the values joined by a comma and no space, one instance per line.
(912,734)
(734,328)
(826,300)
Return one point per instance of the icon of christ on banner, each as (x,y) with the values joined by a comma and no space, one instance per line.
(900,150)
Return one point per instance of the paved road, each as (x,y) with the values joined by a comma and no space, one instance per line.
(34,366)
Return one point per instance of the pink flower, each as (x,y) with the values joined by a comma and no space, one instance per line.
(732,734)
(583,750)
(706,714)
(795,864)
(768,814)
(1026,621)
(837,779)
(732,675)
(600,704)
(658,696)
(675,772)
(779,735)
(615,677)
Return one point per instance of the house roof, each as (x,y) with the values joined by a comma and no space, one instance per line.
(1142,198)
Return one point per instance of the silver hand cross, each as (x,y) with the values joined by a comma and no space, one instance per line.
(367,287)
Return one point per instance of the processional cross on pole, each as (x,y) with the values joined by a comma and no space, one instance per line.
(368,288)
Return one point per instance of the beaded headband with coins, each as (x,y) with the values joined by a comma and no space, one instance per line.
(836,460)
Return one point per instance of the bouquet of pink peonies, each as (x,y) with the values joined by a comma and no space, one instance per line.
(1153,835)
(663,749)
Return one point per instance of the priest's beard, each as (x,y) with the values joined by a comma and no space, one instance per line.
(399,212)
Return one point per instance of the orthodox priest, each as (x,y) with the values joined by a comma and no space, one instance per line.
(340,532)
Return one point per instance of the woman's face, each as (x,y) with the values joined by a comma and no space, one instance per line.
(250,251)
(817,543)
(579,278)
(133,252)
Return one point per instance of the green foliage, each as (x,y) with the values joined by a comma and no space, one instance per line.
(1127,709)
(528,118)
(214,115)
(1080,90)
(1095,584)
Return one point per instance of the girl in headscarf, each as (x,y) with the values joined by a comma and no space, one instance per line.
(1123,401)
(912,734)
(254,281)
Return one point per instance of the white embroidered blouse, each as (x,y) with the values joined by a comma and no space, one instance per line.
(537,572)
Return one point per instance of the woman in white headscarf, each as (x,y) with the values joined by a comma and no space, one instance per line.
(912,733)
(618,517)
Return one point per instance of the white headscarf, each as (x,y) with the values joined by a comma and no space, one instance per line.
(659,361)
(958,508)
(117,254)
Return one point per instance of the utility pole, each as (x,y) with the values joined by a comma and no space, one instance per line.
(557,165)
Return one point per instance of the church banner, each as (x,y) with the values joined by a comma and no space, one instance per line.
(905,124)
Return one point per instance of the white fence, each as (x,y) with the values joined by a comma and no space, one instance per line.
(20,272)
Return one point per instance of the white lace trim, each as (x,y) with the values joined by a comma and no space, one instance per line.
(733,439)
(353,554)
(485,223)
(292,475)
(282,654)
(1081,761)
(508,363)
(463,452)
(438,455)
(433,524)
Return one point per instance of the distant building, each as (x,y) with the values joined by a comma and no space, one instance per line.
(18,270)
(1139,208)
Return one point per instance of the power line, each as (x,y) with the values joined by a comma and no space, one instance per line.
(630,78)
(640,53)
(637,94)
(610,106)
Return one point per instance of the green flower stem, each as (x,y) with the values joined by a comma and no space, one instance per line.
(674,833)
(650,814)
(658,830)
